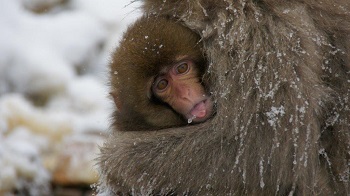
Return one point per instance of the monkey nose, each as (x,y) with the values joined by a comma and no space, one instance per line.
(184,93)
(181,91)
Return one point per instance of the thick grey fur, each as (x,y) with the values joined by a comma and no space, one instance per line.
(280,75)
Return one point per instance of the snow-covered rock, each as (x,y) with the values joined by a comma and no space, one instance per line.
(53,94)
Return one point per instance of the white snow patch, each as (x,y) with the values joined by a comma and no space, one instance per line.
(59,56)
(274,114)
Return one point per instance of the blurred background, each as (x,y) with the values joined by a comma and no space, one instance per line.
(54,106)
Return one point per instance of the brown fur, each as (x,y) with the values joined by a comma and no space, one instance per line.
(280,75)
(148,46)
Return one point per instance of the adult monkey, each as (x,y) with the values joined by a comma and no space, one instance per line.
(280,75)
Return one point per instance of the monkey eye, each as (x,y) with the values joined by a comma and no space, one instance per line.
(182,68)
(162,84)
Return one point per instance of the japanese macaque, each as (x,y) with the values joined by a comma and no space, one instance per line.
(156,77)
(279,74)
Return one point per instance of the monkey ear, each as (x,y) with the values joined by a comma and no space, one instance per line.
(117,102)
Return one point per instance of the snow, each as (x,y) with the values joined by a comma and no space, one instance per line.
(273,115)
(53,67)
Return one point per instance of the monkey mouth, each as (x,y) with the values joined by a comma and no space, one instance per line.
(201,111)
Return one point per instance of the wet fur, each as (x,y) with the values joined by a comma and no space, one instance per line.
(279,72)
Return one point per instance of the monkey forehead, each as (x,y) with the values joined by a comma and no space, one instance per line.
(154,39)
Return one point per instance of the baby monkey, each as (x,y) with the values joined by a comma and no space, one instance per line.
(156,77)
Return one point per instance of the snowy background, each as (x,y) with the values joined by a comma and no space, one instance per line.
(54,106)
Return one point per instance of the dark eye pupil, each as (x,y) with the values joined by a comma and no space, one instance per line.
(162,84)
(182,68)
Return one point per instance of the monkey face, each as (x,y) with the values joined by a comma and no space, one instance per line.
(180,87)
